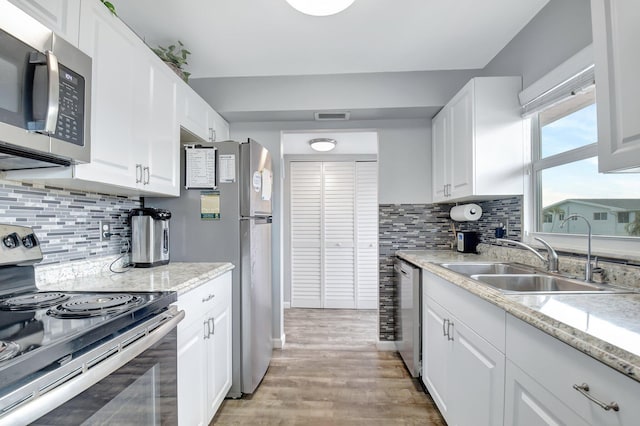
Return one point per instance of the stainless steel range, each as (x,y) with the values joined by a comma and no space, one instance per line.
(77,357)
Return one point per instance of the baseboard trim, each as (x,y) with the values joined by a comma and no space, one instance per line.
(286,305)
(279,343)
(386,345)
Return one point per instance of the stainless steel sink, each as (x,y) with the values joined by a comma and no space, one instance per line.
(474,268)
(541,283)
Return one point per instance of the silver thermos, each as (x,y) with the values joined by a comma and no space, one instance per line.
(149,237)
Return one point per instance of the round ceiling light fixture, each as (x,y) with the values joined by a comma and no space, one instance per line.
(320,7)
(322,144)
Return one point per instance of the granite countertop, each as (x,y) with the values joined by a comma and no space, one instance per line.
(175,276)
(604,326)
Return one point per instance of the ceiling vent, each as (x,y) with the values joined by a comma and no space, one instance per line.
(332,116)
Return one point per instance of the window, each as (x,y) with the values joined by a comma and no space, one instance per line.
(600,216)
(565,174)
(623,217)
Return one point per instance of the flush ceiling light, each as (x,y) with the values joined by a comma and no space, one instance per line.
(322,144)
(320,7)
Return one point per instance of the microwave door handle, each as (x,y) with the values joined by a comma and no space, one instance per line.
(53,98)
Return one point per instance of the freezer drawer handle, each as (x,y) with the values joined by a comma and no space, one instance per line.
(584,390)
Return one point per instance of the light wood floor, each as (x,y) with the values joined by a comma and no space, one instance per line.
(330,373)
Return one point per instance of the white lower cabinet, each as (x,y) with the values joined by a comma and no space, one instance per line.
(204,351)
(484,367)
(545,373)
(462,370)
(527,403)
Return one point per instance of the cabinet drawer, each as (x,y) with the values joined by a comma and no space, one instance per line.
(558,367)
(482,317)
(210,297)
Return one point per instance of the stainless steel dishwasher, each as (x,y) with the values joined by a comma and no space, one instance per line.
(409,315)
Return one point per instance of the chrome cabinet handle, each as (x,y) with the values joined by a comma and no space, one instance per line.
(147,175)
(209,297)
(444,329)
(584,390)
(207,332)
(449,336)
(138,173)
(213,325)
(212,134)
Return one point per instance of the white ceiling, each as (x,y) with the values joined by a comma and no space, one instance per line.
(231,38)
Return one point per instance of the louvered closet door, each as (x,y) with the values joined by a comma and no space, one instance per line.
(339,234)
(306,225)
(367,235)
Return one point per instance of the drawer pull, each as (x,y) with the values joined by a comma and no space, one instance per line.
(584,390)
(449,335)
(209,297)
(444,327)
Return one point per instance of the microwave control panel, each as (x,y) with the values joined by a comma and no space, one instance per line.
(70,126)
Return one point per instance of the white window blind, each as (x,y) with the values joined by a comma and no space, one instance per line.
(577,83)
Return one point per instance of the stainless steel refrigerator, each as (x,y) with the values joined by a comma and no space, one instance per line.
(240,234)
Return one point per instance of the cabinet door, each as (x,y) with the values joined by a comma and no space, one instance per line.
(193,112)
(460,161)
(161,140)
(113,49)
(61,16)
(219,361)
(218,126)
(529,404)
(436,352)
(191,380)
(439,129)
(476,375)
(617,59)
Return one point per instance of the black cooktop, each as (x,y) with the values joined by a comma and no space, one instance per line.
(42,328)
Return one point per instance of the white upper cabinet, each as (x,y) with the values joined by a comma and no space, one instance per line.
(138,105)
(113,50)
(61,16)
(478,142)
(197,117)
(617,66)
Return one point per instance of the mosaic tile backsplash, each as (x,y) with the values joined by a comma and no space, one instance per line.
(67,222)
(428,227)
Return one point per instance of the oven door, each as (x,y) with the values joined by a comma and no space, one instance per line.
(130,380)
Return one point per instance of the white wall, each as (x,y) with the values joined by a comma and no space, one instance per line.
(560,30)
(404,158)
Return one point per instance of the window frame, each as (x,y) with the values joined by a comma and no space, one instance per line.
(602,245)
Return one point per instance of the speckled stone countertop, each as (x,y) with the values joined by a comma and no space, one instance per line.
(604,326)
(176,276)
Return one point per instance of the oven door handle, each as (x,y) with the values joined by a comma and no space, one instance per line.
(43,404)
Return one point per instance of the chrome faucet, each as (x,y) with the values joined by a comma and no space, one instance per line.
(551,261)
(588,268)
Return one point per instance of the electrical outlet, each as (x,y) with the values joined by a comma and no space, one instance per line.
(105,230)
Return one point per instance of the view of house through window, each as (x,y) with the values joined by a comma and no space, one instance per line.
(567,178)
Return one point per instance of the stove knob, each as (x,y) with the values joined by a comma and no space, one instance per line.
(11,241)
(30,241)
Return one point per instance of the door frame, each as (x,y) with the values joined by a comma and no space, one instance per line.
(288,159)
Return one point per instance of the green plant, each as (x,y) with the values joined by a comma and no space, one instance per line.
(175,55)
(109,6)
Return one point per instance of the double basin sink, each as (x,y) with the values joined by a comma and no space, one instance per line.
(516,278)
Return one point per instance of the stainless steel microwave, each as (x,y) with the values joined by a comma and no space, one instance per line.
(45,96)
